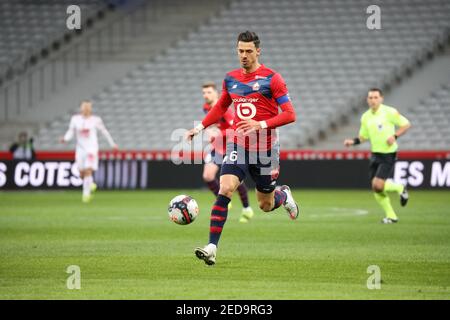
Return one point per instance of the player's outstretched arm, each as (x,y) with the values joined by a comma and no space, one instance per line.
(362,136)
(70,132)
(402,130)
(354,141)
(213,116)
(101,126)
(403,125)
(286,116)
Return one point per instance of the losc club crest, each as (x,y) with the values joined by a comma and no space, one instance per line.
(256,86)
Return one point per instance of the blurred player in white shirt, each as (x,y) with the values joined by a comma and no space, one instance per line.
(84,126)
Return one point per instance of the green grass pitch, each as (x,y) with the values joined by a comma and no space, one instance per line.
(127,248)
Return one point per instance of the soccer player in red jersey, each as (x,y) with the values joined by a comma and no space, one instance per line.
(257,93)
(213,159)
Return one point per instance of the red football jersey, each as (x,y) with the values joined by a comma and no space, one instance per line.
(256,96)
(226,122)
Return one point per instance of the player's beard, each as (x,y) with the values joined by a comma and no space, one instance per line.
(247,65)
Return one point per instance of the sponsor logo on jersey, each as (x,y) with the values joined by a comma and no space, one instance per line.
(84,132)
(242,99)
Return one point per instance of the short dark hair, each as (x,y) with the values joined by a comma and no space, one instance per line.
(249,36)
(376,89)
(209,84)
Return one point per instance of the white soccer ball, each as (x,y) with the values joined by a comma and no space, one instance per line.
(183,209)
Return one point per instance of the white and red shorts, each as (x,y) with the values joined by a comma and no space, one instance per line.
(86,160)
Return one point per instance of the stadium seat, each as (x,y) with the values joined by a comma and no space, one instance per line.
(26,27)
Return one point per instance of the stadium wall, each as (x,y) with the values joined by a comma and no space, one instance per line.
(158,169)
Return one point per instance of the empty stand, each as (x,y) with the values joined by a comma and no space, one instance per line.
(322,48)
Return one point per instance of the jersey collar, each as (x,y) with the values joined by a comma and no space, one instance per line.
(378,110)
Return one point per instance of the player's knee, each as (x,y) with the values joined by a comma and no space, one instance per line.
(226,190)
(377,187)
(208,176)
(265,205)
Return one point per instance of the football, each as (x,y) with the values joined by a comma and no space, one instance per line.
(183,209)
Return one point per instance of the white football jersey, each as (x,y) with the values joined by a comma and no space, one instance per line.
(85,130)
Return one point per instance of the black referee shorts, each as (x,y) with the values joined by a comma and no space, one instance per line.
(382,165)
